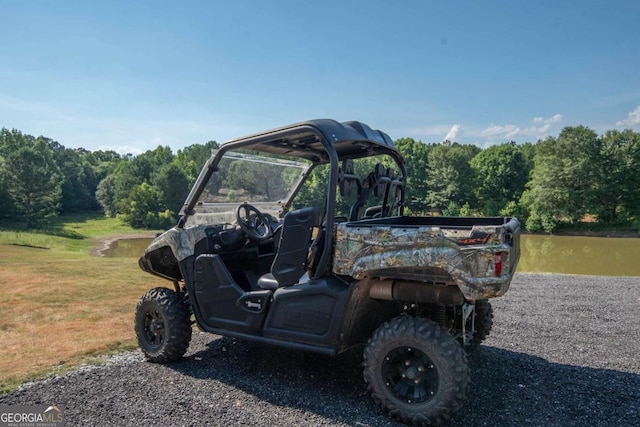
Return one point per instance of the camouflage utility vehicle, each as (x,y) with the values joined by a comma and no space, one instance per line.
(296,237)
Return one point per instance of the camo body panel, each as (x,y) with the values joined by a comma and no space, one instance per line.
(182,241)
(414,253)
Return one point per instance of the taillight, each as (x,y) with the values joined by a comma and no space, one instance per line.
(497,263)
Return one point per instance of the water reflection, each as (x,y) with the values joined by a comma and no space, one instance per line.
(127,248)
(603,256)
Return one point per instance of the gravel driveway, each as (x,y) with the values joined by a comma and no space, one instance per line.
(564,351)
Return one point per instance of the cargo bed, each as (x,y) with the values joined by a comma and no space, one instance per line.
(477,254)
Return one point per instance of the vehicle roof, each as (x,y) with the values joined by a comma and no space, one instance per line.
(351,139)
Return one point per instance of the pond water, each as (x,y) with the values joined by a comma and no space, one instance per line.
(127,248)
(603,256)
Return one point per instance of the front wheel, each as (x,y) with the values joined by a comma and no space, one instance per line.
(163,325)
(416,372)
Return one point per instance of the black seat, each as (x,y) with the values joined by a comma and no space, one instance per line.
(373,212)
(363,194)
(289,264)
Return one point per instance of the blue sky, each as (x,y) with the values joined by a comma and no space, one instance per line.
(130,76)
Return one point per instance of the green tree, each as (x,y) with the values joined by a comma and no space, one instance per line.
(191,159)
(34,182)
(78,185)
(136,171)
(256,178)
(101,163)
(450,178)
(11,140)
(564,178)
(618,186)
(105,195)
(7,205)
(172,185)
(416,155)
(501,174)
(528,151)
(144,208)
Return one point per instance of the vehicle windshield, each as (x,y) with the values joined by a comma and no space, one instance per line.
(264,181)
(371,187)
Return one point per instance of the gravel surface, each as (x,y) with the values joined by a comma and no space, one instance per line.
(564,351)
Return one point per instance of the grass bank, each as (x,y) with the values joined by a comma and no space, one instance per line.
(595,229)
(61,306)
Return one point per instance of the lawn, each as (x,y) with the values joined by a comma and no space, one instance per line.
(61,306)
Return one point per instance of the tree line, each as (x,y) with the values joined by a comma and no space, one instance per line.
(554,182)
(40,179)
(558,181)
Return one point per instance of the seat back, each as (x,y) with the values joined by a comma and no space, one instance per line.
(289,263)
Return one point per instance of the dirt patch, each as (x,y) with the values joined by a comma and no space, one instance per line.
(101,245)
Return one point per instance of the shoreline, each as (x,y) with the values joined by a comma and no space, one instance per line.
(102,244)
(611,234)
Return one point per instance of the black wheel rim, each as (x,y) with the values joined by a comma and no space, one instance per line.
(410,375)
(154,329)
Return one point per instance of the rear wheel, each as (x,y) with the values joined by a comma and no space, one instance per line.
(162,325)
(416,371)
(483,321)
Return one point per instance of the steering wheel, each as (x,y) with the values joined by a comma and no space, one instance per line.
(253,222)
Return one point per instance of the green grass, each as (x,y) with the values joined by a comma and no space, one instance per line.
(597,229)
(62,307)
(74,233)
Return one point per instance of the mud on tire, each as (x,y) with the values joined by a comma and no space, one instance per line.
(415,371)
(163,325)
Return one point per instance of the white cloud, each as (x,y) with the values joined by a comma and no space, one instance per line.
(495,131)
(538,130)
(556,118)
(454,133)
(633,119)
(121,149)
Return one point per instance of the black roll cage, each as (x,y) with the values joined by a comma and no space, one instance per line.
(321,141)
